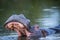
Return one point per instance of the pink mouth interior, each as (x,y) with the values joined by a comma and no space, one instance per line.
(19,28)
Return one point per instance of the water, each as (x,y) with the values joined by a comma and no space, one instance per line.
(15,37)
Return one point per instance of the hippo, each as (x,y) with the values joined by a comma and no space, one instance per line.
(21,25)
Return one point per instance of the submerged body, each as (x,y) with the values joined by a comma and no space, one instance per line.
(21,25)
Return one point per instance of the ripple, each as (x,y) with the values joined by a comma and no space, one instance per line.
(14,37)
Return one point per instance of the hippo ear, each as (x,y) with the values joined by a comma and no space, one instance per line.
(22,16)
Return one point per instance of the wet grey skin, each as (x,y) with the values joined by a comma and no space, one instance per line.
(26,22)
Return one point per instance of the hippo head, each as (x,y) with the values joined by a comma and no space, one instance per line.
(18,23)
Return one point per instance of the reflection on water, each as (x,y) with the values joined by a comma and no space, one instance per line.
(15,37)
(50,18)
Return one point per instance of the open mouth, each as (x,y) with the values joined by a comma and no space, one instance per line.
(18,27)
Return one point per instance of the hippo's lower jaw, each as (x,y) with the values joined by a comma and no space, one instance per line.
(23,33)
